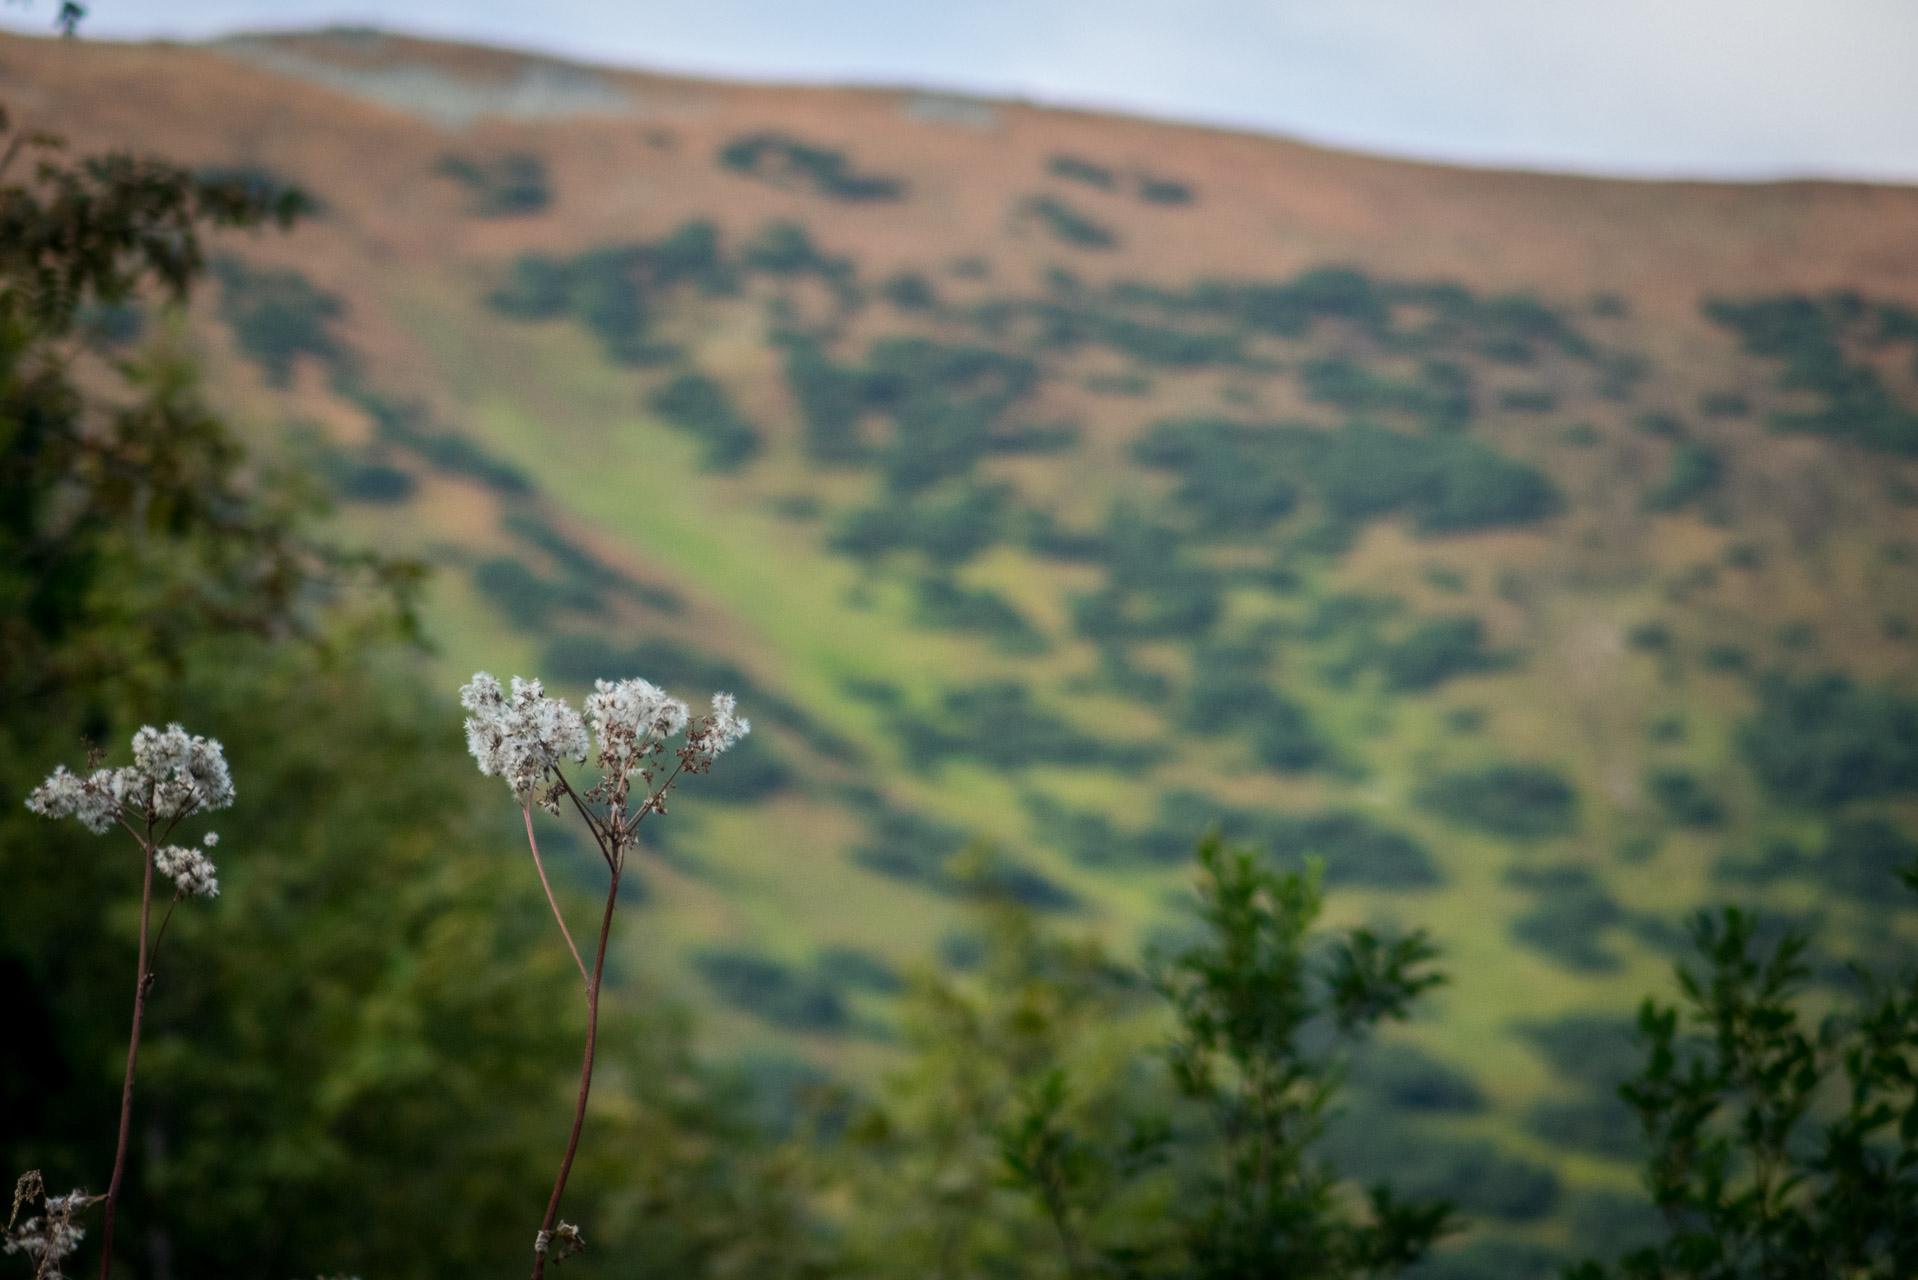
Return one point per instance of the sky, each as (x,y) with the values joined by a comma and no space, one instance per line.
(1737,89)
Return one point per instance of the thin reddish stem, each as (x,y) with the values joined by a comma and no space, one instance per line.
(585,1080)
(133,1056)
(527,812)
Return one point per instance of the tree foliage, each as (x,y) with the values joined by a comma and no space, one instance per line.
(1779,1148)
(1036,1133)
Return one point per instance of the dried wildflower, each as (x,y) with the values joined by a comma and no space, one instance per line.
(561,1242)
(173,774)
(96,800)
(49,1238)
(631,718)
(190,869)
(713,734)
(181,773)
(523,737)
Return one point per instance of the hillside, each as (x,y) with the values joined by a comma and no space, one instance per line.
(1540,552)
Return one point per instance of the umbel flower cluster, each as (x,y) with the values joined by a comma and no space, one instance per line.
(524,737)
(174,775)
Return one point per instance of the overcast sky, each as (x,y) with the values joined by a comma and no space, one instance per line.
(1727,88)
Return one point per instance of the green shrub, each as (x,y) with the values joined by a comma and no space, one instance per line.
(1863,857)
(1695,470)
(1572,912)
(1069,225)
(508,186)
(1811,338)
(1473,1174)
(1437,650)
(785,160)
(1652,637)
(583,567)
(528,600)
(1089,839)
(539,288)
(946,532)
(1231,693)
(945,402)
(1685,799)
(1406,1077)
(1163,345)
(912,847)
(947,604)
(1232,477)
(406,425)
(1581,435)
(1000,725)
(1076,169)
(832,401)
(373,483)
(1778,1140)
(785,249)
(909,291)
(1823,741)
(605,289)
(1450,484)
(1598,1126)
(860,970)
(1356,850)
(1516,801)
(1152,590)
(1440,399)
(1157,190)
(772,990)
(700,407)
(1491,1258)
(1528,399)
(278,316)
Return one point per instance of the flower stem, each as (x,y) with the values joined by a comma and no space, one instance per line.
(133,1056)
(585,1078)
(566,933)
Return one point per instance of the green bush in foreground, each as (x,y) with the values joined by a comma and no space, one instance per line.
(1779,1149)
(1034,1134)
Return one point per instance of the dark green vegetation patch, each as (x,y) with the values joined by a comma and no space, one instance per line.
(278,316)
(1239,478)
(1355,849)
(507,186)
(702,409)
(1826,347)
(1517,801)
(1069,225)
(1822,741)
(784,160)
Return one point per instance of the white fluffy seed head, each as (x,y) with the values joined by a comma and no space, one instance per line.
(190,869)
(180,773)
(714,733)
(173,774)
(520,737)
(49,1239)
(630,719)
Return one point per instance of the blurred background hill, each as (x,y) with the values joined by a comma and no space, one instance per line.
(1540,552)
